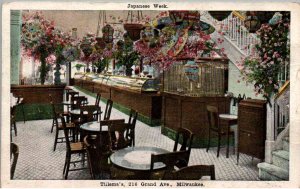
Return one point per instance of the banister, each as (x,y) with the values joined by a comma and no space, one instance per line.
(282,89)
(239,15)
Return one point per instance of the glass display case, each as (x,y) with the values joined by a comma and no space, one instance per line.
(131,83)
(202,77)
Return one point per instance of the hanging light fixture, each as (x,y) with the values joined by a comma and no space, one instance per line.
(252,22)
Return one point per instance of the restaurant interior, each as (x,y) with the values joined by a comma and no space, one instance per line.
(149,95)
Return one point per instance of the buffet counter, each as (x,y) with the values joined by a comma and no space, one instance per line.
(140,94)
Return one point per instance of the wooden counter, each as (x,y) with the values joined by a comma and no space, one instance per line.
(147,104)
(190,112)
(33,94)
(36,100)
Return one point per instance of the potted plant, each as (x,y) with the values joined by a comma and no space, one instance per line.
(127,59)
(101,64)
(78,66)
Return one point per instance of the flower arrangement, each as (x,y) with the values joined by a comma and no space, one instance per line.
(273,55)
(42,41)
(125,54)
(78,66)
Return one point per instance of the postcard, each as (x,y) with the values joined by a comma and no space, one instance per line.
(150,94)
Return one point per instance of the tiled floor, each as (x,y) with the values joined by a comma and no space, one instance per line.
(37,161)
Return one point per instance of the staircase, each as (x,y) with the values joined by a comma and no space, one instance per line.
(278,170)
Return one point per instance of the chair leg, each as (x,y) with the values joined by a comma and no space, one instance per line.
(23,112)
(15,128)
(55,140)
(133,138)
(219,143)
(52,126)
(227,148)
(208,143)
(68,166)
(66,160)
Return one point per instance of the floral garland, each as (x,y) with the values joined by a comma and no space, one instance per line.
(273,54)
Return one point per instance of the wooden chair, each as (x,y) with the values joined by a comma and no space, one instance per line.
(59,127)
(130,133)
(86,115)
(186,137)
(108,108)
(169,159)
(72,148)
(214,126)
(78,101)
(97,158)
(63,112)
(13,119)
(71,93)
(14,150)
(195,172)
(97,103)
(117,131)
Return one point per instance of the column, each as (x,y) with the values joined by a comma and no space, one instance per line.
(15,41)
(269,144)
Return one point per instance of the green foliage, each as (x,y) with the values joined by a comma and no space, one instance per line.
(273,55)
(127,58)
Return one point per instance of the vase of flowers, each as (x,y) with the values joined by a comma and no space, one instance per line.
(40,39)
(78,66)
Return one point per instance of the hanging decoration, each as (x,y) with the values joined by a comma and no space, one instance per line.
(191,70)
(182,36)
(219,15)
(134,29)
(108,33)
(252,22)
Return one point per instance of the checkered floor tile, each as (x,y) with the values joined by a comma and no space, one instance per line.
(38,161)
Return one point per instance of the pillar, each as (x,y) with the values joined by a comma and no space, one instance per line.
(269,144)
(15,43)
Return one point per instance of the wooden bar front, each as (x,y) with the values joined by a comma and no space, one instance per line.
(38,94)
(36,102)
(190,112)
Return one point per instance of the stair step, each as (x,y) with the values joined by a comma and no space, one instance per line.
(285,145)
(271,172)
(287,138)
(281,159)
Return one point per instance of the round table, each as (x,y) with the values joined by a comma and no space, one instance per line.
(93,127)
(136,158)
(229,119)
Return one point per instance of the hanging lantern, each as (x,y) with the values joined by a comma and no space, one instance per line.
(219,15)
(264,16)
(108,33)
(252,23)
(133,30)
(100,43)
(178,16)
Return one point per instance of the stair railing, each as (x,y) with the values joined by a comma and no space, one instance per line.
(234,29)
(281,109)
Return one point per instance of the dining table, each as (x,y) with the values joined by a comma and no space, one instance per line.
(230,120)
(136,161)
